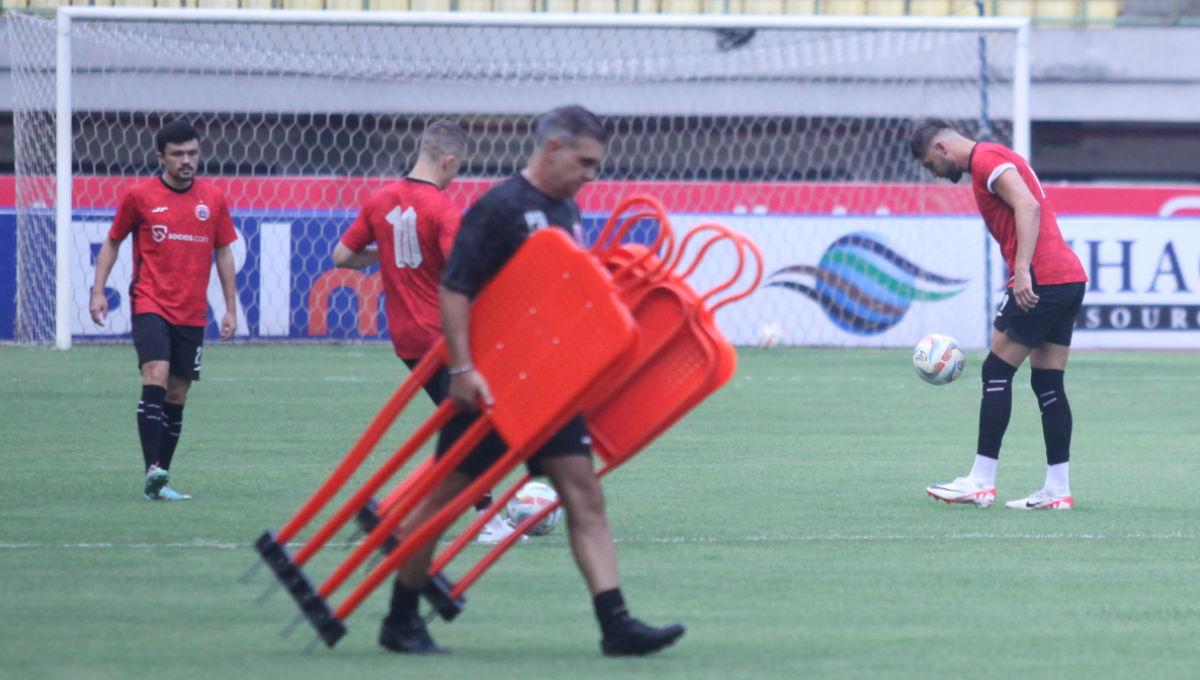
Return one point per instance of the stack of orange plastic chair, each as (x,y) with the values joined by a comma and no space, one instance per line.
(680,359)
(543,333)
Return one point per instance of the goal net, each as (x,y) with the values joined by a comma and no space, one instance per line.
(791,130)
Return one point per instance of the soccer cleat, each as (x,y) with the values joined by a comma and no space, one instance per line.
(496,530)
(963,490)
(168,494)
(156,479)
(1042,500)
(632,637)
(408,636)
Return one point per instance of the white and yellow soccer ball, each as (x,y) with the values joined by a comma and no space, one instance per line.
(770,335)
(938,359)
(529,501)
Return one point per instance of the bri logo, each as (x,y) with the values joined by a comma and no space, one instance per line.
(864,286)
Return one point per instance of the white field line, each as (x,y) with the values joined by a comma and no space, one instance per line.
(376,379)
(782,538)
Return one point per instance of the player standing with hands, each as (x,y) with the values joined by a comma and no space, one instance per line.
(1036,317)
(178,224)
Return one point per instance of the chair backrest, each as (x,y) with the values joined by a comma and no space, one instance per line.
(582,331)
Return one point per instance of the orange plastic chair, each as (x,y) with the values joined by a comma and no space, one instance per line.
(542,333)
(628,215)
(681,358)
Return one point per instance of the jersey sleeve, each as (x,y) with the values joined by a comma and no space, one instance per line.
(360,235)
(486,239)
(127,219)
(226,234)
(990,165)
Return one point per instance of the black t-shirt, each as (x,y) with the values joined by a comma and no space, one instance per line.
(495,227)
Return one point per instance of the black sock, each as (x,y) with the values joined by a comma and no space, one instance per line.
(149,420)
(404,603)
(484,502)
(172,426)
(996,405)
(1056,413)
(610,609)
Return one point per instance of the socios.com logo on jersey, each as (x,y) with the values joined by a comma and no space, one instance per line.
(864,285)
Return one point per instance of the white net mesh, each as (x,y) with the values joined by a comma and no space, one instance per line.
(795,135)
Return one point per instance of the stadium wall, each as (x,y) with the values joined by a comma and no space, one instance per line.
(1140,246)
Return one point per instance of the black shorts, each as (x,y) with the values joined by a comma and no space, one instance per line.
(157,340)
(573,439)
(438,386)
(1051,320)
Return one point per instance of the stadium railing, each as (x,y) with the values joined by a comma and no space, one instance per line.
(1044,13)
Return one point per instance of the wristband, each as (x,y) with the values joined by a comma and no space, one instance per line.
(459,370)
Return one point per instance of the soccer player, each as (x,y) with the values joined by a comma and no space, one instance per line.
(569,148)
(178,222)
(413,225)
(1035,318)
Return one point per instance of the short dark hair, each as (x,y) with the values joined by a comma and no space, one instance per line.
(924,131)
(176,132)
(569,123)
(443,138)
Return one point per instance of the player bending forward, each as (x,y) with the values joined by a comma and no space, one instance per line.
(1035,318)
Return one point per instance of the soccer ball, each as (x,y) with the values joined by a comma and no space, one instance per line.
(770,335)
(938,359)
(528,502)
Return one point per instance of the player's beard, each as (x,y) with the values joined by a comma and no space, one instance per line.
(954,175)
(183,176)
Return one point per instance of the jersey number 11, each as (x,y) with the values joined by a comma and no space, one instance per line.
(404,237)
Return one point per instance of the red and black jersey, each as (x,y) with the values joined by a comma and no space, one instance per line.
(174,235)
(497,224)
(1053,260)
(414,225)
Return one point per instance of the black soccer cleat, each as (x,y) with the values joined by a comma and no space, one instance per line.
(408,636)
(632,637)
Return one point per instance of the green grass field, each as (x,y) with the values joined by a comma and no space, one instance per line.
(784,521)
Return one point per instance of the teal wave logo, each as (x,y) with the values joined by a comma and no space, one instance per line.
(864,285)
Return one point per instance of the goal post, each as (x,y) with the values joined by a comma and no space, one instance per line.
(790,128)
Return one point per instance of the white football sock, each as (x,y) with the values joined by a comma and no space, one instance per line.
(984,470)
(1058,480)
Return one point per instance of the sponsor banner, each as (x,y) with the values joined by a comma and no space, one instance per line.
(8,273)
(853,281)
(1143,288)
(1144,281)
(287,286)
(883,278)
(849,281)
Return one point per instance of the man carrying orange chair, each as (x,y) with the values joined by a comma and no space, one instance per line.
(570,147)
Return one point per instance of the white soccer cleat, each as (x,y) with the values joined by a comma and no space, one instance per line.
(1042,500)
(963,490)
(496,530)
(168,494)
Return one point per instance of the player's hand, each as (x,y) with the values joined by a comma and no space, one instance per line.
(228,324)
(468,390)
(1023,290)
(99,307)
